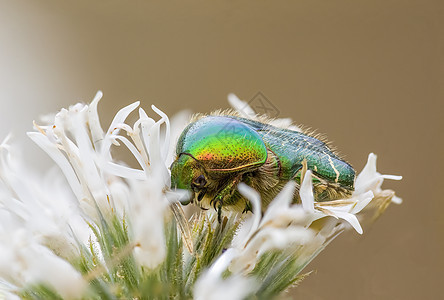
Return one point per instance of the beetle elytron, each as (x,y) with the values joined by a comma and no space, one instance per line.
(214,153)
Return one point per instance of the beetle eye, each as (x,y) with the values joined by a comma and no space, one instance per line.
(200,182)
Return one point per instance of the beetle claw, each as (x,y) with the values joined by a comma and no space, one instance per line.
(247,208)
(216,202)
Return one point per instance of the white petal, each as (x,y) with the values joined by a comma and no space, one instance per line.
(396,200)
(255,200)
(280,205)
(87,165)
(60,160)
(123,171)
(286,123)
(166,144)
(370,179)
(241,107)
(282,238)
(97,133)
(306,192)
(392,177)
(351,219)
(121,116)
(147,211)
(133,150)
(178,196)
(368,174)
(145,124)
(363,201)
(285,196)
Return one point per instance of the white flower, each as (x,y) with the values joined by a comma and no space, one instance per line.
(147,186)
(82,150)
(45,219)
(371,180)
(42,210)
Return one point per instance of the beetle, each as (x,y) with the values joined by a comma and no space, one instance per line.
(215,153)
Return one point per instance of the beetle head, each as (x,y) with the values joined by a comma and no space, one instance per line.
(188,174)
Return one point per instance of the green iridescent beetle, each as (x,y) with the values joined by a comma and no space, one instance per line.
(214,153)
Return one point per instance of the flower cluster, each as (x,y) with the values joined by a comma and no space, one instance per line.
(94,226)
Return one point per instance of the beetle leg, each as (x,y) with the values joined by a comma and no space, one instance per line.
(226,192)
(247,207)
(219,213)
(217,203)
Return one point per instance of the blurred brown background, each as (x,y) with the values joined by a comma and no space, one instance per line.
(369,74)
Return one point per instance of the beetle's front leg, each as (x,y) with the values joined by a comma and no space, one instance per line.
(224,194)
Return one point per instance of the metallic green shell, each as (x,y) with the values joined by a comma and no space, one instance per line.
(292,147)
(222,144)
